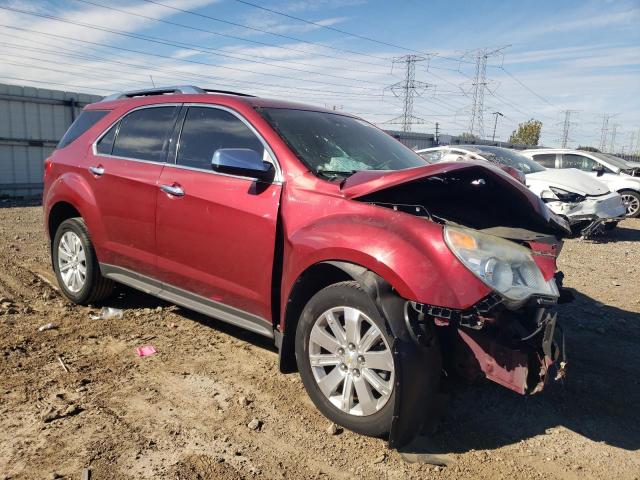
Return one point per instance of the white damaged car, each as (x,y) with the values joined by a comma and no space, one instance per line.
(585,202)
(619,175)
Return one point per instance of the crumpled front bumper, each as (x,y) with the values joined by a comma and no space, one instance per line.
(590,214)
(603,207)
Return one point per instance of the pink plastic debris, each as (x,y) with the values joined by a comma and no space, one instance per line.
(146,350)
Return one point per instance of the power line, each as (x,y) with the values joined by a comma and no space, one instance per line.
(408,89)
(48,82)
(189,47)
(327,27)
(255,29)
(177,74)
(198,29)
(527,88)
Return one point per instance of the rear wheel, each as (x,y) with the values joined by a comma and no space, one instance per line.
(76,265)
(343,351)
(631,201)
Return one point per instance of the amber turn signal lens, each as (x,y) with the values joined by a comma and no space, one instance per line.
(462,240)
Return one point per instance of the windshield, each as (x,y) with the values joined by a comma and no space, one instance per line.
(504,156)
(615,161)
(329,143)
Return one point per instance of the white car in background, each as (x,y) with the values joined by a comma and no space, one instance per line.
(618,174)
(585,202)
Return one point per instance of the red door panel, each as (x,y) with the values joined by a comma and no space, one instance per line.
(126,192)
(218,239)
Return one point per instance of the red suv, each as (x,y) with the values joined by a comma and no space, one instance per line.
(373,271)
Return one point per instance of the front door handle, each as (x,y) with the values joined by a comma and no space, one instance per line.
(97,171)
(173,190)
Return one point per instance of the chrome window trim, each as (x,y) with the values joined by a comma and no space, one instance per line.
(278,178)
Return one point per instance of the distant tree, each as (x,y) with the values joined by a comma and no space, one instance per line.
(528,133)
(468,137)
(588,149)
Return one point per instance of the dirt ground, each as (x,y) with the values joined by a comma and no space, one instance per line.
(184,412)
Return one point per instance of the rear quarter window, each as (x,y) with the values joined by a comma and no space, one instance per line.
(84,122)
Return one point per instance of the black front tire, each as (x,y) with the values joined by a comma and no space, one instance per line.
(96,287)
(347,294)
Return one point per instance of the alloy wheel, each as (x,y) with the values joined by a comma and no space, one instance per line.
(631,203)
(351,361)
(72,262)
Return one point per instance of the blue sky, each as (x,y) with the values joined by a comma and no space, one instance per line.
(578,55)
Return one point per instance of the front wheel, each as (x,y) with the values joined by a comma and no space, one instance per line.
(76,265)
(631,201)
(343,351)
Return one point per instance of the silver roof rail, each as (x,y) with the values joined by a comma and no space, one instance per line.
(186,89)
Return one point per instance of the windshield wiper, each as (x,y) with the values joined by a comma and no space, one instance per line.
(337,173)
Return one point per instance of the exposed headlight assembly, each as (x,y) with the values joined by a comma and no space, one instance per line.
(558,194)
(504,266)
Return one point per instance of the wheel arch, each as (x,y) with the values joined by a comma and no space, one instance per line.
(315,278)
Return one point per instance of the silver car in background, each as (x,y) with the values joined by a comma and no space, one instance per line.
(586,203)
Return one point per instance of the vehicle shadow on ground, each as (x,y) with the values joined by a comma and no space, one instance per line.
(597,400)
(129,298)
(618,234)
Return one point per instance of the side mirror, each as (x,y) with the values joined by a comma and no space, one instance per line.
(243,162)
(599,169)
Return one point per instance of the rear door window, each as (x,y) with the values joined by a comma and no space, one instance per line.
(547,160)
(206,130)
(86,120)
(144,134)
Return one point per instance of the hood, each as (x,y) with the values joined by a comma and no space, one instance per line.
(570,179)
(432,186)
(365,182)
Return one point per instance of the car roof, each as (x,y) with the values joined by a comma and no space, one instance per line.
(191,94)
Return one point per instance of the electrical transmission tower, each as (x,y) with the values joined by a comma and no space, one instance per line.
(604,131)
(566,127)
(612,145)
(479,85)
(407,90)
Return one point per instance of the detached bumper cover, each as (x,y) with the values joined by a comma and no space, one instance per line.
(604,207)
(523,366)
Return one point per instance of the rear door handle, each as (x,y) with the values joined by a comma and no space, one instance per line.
(173,190)
(98,171)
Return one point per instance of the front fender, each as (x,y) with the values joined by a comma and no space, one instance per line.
(406,251)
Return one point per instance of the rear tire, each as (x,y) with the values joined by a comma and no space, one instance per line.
(632,200)
(76,265)
(350,359)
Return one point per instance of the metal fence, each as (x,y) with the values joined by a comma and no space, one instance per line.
(32,120)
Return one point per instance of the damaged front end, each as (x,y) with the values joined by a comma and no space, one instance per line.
(516,349)
(509,240)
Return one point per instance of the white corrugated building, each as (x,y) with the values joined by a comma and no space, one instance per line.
(32,120)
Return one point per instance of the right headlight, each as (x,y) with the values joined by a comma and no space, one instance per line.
(506,267)
(566,196)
